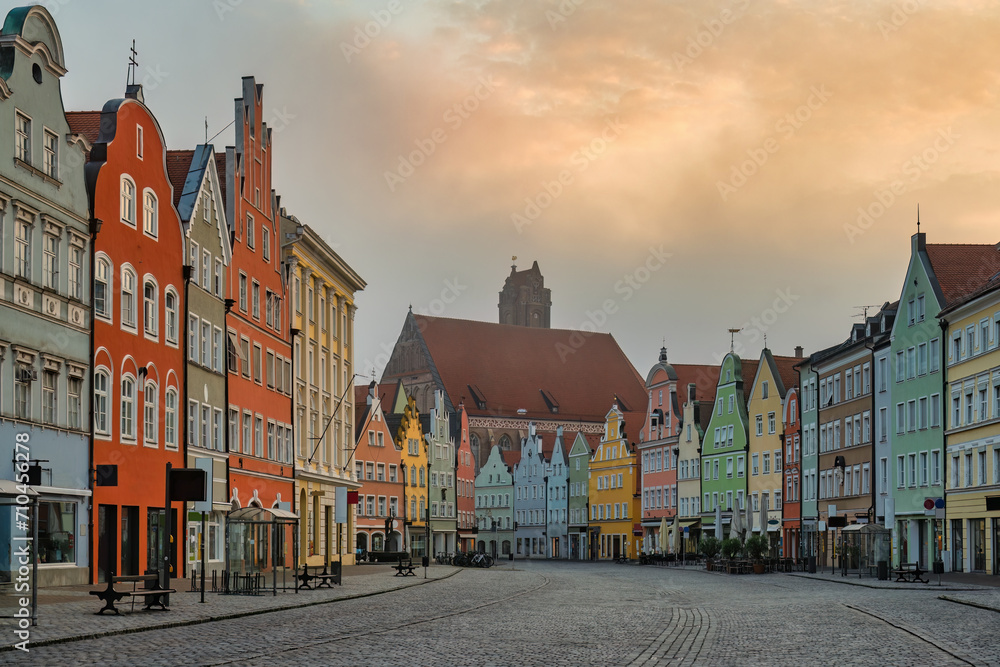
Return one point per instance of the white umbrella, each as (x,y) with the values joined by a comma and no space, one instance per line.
(749,517)
(736,525)
(677,535)
(718,521)
(663,535)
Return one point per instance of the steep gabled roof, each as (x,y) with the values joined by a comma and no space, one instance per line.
(962,268)
(85,123)
(178,166)
(705,377)
(499,369)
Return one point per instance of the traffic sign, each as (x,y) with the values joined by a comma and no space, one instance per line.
(929,504)
(939,503)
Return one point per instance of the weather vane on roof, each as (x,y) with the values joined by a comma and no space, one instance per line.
(133,64)
(918,218)
(732,339)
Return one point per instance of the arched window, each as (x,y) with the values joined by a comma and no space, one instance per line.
(422,479)
(413,507)
(505,443)
(128,297)
(149,213)
(128,201)
(128,408)
(170,308)
(101,404)
(170,418)
(149,413)
(102,289)
(149,308)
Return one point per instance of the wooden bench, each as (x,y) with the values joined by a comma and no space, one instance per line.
(322,578)
(405,568)
(909,573)
(153,596)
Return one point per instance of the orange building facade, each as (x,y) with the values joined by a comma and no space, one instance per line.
(138,355)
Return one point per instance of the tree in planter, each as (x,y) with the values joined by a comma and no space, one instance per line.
(709,547)
(731,547)
(756,547)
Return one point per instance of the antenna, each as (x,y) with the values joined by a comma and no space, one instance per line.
(864,310)
(206,130)
(918,218)
(732,338)
(133,64)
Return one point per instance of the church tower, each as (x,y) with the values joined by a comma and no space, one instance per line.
(524,300)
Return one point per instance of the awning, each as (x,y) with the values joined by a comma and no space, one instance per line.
(637,529)
(262,514)
(235,343)
(9,487)
(773,527)
(688,524)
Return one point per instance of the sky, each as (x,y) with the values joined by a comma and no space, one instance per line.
(677,169)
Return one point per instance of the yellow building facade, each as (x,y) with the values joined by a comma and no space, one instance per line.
(972,408)
(410,439)
(763,472)
(323,287)
(614,493)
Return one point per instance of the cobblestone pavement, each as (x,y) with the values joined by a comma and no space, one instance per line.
(552,613)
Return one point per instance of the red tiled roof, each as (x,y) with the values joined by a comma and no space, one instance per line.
(749,371)
(961,268)
(511,457)
(510,365)
(85,123)
(220,167)
(786,369)
(178,166)
(705,378)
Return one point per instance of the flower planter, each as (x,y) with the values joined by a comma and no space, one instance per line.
(758,568)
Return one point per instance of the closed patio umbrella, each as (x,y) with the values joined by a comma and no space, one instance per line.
(663,535)
(677,536)
(718,521)
(736,525)
(749,517)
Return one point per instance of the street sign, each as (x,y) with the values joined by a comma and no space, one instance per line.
(929,504)
(687,530)
(939,503)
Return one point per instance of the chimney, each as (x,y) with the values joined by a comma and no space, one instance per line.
(134,91)
(798,351)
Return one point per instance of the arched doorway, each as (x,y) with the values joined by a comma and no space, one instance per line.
(481,546)
(377,542)
(361,542)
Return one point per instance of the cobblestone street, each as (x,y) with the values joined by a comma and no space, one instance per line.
(543,613)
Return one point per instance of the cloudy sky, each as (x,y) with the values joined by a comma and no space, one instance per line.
(676,168)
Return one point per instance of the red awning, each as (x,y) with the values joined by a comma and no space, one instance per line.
(637,529)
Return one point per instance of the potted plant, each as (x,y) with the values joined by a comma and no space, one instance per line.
(709,548)
(731,547)
(756,547)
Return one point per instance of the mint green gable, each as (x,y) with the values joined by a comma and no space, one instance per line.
(579,485)
(725,438)
(917,404)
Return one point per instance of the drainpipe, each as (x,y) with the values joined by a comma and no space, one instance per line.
(187,270)
(95,228)
(943,365)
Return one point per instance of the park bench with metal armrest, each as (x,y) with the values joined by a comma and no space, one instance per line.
(910,573)
(153,596)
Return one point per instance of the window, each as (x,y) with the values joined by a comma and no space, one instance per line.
(247,435)
(48,397)
(74,395)
(170,308)
(217,282)
(75,272)
(50,262)
(935,354)
(900,366)
(900,418)
(22,249)
(22,127)
(754,465)
(128,201)
(149,213)
(256,363)
(170,419)
(255,300)
(922,359)
(760,425)
(243,291)
(777,460)
(269,307)
(265,241)
(258,436)
(770,422)
(767,463)
(206,341)
(866,378)
(968,469)
(150,413)
(206,269)
(250,239)
(935,472)
(912,469)
(101,403)
(217,350)
(128,408)
(883,371)
(149,308)
(128,298)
